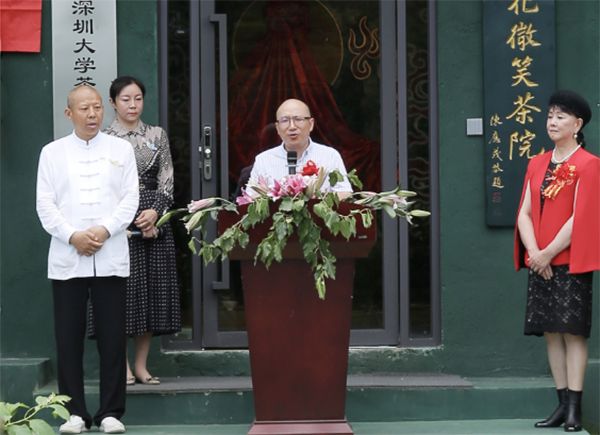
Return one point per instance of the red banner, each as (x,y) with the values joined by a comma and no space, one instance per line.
(20,25)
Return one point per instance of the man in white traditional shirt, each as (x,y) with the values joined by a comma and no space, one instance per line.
(294,124)
(87,195)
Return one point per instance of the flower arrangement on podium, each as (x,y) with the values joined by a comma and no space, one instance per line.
(293,194)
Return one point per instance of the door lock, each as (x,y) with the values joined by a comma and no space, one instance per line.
(207,154)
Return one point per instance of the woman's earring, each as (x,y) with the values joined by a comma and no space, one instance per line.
(575,135)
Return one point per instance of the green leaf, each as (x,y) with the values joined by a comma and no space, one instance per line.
(19,430)
(257,212)
(62,399)
(287,204)
(40,427)
(321,209)
(320,285)
(281,229)
(41,400)
(347,227)
(335,177)
(192,245)
(298,204)
(10,409)
(60,411)
(367,218)
(354,180)
(332,220)
(243,239)
(6,411)
(231,207)
(277,253)
(330,199)
(263,208)
(263,251)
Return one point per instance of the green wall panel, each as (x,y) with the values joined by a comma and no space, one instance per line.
(482,297)
(26,91)
(137,29)
(26,322)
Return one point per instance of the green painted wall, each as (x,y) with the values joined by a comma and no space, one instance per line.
(26,92)
(482,297)
(26,115)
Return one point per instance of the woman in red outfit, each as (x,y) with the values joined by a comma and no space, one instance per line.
(558,238)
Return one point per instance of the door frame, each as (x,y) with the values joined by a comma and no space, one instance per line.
(204,26)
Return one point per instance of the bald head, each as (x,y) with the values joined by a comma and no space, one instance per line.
(292,104)
(85,110)
(81,90)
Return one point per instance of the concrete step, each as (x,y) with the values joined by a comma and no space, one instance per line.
(453,427)
(20,376)
(375,397)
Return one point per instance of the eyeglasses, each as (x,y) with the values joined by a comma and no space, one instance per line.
(299,121)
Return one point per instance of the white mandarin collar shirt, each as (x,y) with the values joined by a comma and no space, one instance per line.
(81,184)
(272,164)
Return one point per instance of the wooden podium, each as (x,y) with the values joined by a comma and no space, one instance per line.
(299,343)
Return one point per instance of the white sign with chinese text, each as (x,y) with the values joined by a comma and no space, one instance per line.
(84,50)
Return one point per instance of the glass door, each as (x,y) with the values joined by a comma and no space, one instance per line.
(367,71)
(338,57)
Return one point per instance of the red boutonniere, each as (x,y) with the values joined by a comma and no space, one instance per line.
(563,175)
(310,168)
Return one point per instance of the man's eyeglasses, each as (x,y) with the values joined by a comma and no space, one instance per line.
(299,121)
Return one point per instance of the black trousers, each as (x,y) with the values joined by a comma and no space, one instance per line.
(70,312)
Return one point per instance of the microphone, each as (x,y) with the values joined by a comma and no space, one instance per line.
(292,158)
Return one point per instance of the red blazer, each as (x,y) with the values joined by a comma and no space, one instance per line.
(583,254)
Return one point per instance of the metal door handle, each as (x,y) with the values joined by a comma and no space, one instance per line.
(206,153)
(223,149)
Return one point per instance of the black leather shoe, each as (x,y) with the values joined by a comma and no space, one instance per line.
(573,420)
(557,418)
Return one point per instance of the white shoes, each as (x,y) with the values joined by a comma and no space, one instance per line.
(111,425)
(74,424)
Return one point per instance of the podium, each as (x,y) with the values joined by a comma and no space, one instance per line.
(299,343)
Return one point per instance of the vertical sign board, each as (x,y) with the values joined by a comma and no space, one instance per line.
(84,51)
(519,60)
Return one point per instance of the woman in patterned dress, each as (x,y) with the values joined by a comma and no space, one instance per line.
(153,300)
(558,239)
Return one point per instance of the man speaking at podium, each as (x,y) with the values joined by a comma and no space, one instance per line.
(294,124)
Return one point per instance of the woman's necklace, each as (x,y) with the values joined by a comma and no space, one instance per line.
(565,158)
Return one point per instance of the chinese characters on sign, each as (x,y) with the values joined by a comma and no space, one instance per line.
(519,77)
(84,51)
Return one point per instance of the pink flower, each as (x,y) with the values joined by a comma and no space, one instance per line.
(294,185)
(291,185)
(277,191)
(194,206)
(244,198)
